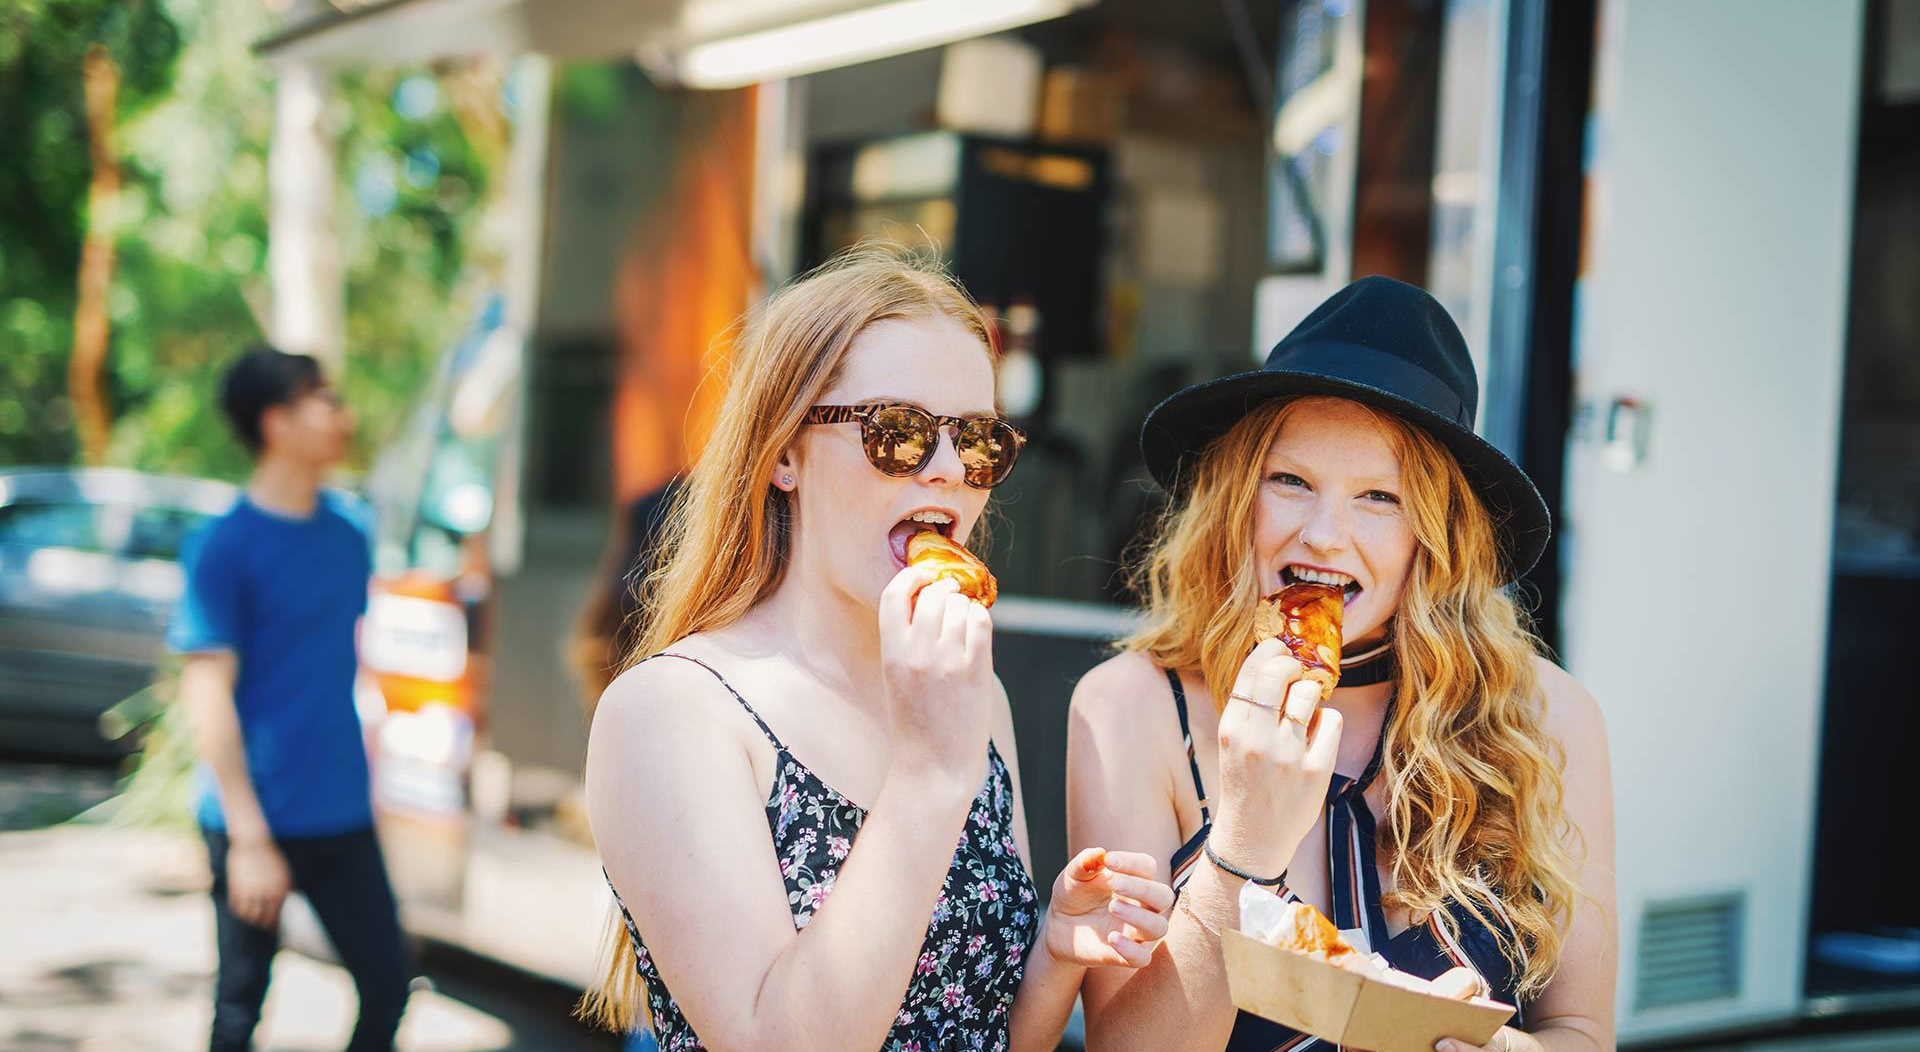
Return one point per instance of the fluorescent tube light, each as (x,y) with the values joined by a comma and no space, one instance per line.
(861,35)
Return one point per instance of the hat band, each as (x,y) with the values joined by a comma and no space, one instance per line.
(1371,367)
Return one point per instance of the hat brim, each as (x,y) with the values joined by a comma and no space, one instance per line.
(1180,428)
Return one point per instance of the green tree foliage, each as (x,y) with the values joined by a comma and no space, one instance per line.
(416,149)
(43,189)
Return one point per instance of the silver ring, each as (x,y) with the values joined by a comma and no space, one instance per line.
(1256,704)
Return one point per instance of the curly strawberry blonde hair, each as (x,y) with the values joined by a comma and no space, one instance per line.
(1474,810)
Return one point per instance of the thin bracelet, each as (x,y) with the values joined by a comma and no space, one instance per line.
(1198,919)
(1265,882)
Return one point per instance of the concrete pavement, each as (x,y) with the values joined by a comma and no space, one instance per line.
(106,943)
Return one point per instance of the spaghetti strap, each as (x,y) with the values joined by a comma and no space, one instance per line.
(764,729)
(1186,735)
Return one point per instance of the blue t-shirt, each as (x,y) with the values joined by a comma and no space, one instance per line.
(284,595)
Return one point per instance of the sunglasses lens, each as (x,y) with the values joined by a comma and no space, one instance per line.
(987,449)
(899,439)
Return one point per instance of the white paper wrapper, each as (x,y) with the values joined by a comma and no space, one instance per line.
(1261,912)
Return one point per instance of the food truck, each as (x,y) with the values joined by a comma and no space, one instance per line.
(1678,238)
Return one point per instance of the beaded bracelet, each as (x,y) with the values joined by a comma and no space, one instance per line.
(1197,918)
(1265,882)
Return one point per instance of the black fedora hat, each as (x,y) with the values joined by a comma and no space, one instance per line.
(1382,343)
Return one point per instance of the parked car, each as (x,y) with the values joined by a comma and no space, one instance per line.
(89,576)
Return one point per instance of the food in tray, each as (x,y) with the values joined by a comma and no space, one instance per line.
(1300,928)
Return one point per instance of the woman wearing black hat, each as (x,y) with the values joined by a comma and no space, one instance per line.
(1451,799)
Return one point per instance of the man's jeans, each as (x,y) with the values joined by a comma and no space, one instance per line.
(345,880)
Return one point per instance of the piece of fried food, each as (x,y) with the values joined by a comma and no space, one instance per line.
(1306,930)
(948,559)
(1306,617)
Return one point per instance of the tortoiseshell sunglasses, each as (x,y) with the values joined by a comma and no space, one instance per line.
(899,439)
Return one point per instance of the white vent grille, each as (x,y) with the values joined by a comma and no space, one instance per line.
(1690,951)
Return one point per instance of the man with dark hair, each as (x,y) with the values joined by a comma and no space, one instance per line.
(259,379)
(275,590)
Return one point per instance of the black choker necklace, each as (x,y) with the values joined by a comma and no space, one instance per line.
(1368,668)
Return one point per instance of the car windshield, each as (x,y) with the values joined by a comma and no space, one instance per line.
(54,525)
(118,529)
(158,533)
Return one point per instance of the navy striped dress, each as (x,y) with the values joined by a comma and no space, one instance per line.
(1422,949)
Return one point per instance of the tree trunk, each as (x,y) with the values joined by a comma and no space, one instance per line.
(304,265)
(86,386)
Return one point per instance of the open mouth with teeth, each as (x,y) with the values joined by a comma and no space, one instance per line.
(1294,574)
(938,521)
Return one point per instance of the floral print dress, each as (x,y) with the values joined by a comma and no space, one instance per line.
(983,922)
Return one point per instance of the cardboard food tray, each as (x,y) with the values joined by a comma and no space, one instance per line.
(1317,998)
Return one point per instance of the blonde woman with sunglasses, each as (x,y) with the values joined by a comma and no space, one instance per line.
(778,784)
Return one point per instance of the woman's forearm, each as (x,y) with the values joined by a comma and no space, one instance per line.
(1045,999)
(1180,1000)
(1565,1035)
(839,983)
(1568,1034)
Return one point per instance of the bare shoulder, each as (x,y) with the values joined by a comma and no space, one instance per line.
(1116,691)
(1123,707)
(644,693)
(669,747)
(1572,715)
(666,707)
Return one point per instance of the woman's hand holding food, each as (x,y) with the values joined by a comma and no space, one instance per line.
(1277,751)
(936,655)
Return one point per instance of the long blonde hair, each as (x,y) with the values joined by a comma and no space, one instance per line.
(1474,811)
(729,532)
